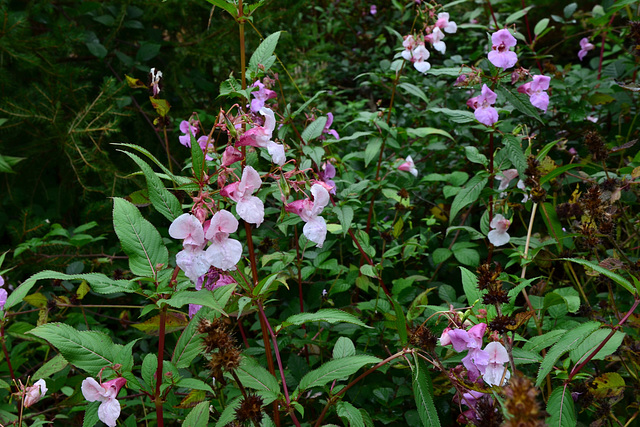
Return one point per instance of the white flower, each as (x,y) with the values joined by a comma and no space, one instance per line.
(315,228)
(495,370)
(224,253)
(35,392)
(499,235)
(107,394)
(506,177)
(249,207)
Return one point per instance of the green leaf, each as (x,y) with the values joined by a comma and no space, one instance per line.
(424,132)
(223,4)
(147,51)
(254,376)
(521,103)
(229,414)
(97,49)
(178,179)
(140,240)
(560,408)
(338,369)
(608,273)
(514,153)
(314,130)
(541,26)
(570,340)
(348,412)
(456,116)
(441,255)
(99,283)
(264,52)
(345,216)
(414,90)
(473,233)
(468,195)
(368,270)
(164,202)
(202,297)
(536,344)
(91,414)
(87,350)
(344,348)
(194,384)
(7,161)
(189,345)
(57,364)
(330,315)
(470,286)
(517,15)
(401,322)
(557,172)
(197,158)
(423,394)
(148,370)
(306,104)
(474,155)
(199,416)
(372,150)
(590,344)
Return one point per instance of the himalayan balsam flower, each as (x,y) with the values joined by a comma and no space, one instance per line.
(585,47)
(328,171)
(493,374)
(477,359)
(35,392)
(260,136)
(155,82)
(420,56)
(409,166)
(192,260)
(445,25)
(435,38)
(260,96)
(315,228)
(482,106)
(326,129)
(500,55)
(249,207)
(230,156)
(409,43)
(505,178)
(107,394)
(536,91)
(3,294)
(188,129)
(224,253)
(499,236)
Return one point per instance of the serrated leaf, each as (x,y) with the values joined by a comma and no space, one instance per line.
(223,4)
(470,286)
(314,130)
(189,345)
(608,273)
(56,364)
(347,411)
(256,377)
(202,297)
(423,394)
(338,369)
(192,399)
(343,348)
(148,370)
(592,342)
(345,216)
(414,90)
(468,195)
(330,315)
(560,408)
(474,155)
(456,116)
(139,238)
(515,153)
(199,416)
(173,322)
(87,350)
(264,52)
(521,103)
(570,340)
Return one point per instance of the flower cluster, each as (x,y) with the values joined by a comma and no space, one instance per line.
(260,136)
(414,47)
(106,394)
(482,106)
(190,129)
(309,210)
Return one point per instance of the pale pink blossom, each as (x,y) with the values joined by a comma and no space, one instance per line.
(476,359)
(419,57)
(249,207)
(585,47)
(435,38)
(409,43)
(327,127)
(445,25)
(260,136)
(230,156)
(188,129)
(505,178)
(188,228)
(409,166)
(193,261)
(501,56)
(499,236)
(495,370)
(3,294)
(106,394)
(482,106)
(522,186)
(444,338)
(260,96)
(309,211)
(328,171)
(224,253)
(536,91)
(35,392)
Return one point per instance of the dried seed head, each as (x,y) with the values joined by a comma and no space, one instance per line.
(521,404)
(250,409)
(596,145)
(423,338)
(501,323)
(216,335)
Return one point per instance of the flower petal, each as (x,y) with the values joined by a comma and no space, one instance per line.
(224,255)
(251,209)
(109,411)
(93,391)
(316,230)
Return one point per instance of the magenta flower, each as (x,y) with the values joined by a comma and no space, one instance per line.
(326,129)
(505,178)
(482,106)
(3,294)
(249,207)
(188,129)
(536,91)
(328,171)
(107,394)
(495,370)
(260,96)
(34,393)
(499,236)
(585,47)
(500,55)
(260,136)
(445,25)
(409,166)
(224,253)
(309,211)
(230,156)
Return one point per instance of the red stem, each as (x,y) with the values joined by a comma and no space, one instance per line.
(6,354)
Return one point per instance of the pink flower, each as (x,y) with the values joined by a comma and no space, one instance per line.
(224,253)
(230,156)
(188,129)
(107,394)
(326,129)
(482,106)
(536,91)
(249,207)
(445,339)
(203,142)
(328,171)
(477,359)
(3,295)
(211,280)
(409,44)
(373,10)
(495,370)
(315,228)
(444,24)
(585,47)
(192,259)
(188,228)
(409,166)
(419,57)
(506,177)
(260,96)
(499,236)
(435,38)
(500,55)
(35,392)
(260,136)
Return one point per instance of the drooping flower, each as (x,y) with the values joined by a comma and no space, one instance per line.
(326,129)
(505,178)
(309,211)
(476,359)
(482,106)
(224,253)
(260,136)
(495,371)
(155,76)
(230,156)
(409,166)
(249,207)
(373,9)
(213,279)
(188,228)
(536,91)
(445,25)
(409,43)
(585,47)
(435,38)
(192,260)
(260,96)
(419,57)
(328,171)
(188,129)
(203,142)
(499,236)
(35,392)
(3,294)
(106,393)
(500,55)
